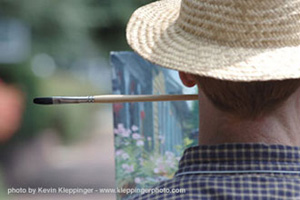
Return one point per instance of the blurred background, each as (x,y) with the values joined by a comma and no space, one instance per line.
(50,48)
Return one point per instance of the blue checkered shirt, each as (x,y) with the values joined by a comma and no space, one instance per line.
(234,171)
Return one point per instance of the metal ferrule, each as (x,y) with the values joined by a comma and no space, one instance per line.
(66,100)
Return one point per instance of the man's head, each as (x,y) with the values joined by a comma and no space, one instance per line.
(240,50)
(245,100)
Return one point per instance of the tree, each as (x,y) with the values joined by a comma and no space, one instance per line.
(72,28)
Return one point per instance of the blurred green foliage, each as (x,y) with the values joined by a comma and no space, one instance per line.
(66,30)
(65,119)
(72,121)
(69,28)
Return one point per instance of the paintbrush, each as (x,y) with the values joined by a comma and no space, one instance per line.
(111,99)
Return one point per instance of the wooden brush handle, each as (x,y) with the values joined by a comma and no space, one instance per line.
(142,98)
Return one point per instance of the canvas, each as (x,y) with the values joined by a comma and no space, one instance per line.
(149,136)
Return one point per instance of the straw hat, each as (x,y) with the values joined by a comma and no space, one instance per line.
(238,40)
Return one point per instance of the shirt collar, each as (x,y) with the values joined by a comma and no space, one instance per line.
(240,157)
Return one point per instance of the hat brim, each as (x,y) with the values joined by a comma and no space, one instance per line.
(154,34)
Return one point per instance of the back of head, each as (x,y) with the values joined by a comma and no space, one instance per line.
(248,43)
(248,100)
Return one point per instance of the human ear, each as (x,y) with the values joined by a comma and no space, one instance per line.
(187,79)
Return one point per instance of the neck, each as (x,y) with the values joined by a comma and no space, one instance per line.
(280,127)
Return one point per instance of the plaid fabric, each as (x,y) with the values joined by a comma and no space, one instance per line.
(235,171)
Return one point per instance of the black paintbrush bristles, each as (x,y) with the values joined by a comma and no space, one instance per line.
(43,100)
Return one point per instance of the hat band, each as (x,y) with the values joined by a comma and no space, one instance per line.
(240,23)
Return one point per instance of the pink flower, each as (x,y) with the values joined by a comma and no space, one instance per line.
(136,136)
(149,138)
(120,126)
(126,133)
(137,180)
(128,168)
(140,143)
(156,170)
(120,129)
(134,128)
(125,156)
(119,152)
